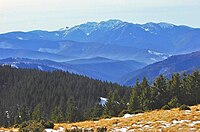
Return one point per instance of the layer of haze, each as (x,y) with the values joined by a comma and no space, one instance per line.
(25,15)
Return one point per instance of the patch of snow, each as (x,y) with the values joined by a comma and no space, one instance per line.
(155,53)
(187,111)
(127,116)
(88,34)
(140,125)
(134,125)
(50,130)
(146,29)
(132,130)
(20,38)
(167,125)
(13,65)
(164,57)
(161,121)
(57,34)
(175,122)
(39,67)
(103,101)
(194,123)
(74,127)
(124,129)
(180,121)
(183,121)
(61,129)
(146,126)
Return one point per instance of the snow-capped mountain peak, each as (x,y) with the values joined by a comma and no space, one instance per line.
(110,23)
(165,25)
(90,27)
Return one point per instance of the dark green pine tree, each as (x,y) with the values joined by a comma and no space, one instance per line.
(97,111)
(144,97)
(37,113)
(108,108)
(57,115)
(185,90)
(194,81)
(159,93)
(134,101)
(112,106)
(71,110)
(175,86)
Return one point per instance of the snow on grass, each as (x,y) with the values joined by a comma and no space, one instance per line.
(157,120)
(127,116)
(187,111)
(50,130)
(194,123)
(60,129)
(124,129)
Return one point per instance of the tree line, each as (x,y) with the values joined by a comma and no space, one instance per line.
(63,97)
(28,94)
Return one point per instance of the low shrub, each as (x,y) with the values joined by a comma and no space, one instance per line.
(105,116)
(174,103)
(16,126)
(184,107)
(101,129)
(95,119)
(166,107)
(31,126)
(35,126)
(138,111)
(49,124)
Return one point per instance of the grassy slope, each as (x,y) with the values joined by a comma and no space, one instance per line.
(157,120)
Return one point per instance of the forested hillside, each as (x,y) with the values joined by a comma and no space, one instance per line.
(58,96)
(63,97)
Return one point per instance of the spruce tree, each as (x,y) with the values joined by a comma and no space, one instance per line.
(37,113)
(57,115)
(144,97)
(71,110)
(159,92)
(134,101)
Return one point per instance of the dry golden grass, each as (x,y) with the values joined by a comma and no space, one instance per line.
(157,120)
(9,129)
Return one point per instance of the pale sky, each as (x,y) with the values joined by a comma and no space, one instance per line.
(26,15)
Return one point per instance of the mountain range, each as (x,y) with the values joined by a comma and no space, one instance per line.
(110,50)
(175,64)
(153,36)
(97,68)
